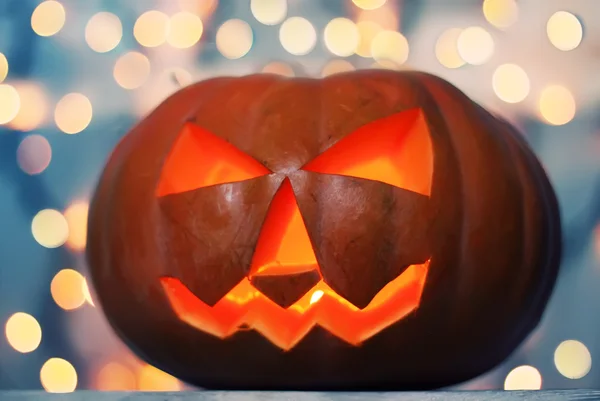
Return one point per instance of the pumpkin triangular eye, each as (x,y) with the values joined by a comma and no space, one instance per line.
(200,159)
(396,150)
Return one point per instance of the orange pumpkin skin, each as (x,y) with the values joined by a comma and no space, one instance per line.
(489,232)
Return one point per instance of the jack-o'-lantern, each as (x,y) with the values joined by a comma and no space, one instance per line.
(370,230)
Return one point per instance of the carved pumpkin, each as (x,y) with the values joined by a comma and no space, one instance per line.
(371,230)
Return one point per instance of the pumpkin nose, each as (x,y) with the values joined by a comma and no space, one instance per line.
(284,266)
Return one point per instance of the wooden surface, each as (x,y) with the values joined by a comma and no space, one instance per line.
(562,395)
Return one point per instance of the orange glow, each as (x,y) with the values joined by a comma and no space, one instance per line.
(115,376)
(283,246)
(77,216)
(200,159)
(395,150)
(244,305)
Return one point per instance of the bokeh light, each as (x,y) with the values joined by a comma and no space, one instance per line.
(10,102)
(336,67)
(367,31)
(103,32)
(475,45)
(50,228)
(73,113)
(202,8)
(33,106)
(151,28)
(557,105)
(341,37)
(34,154)
(115,376)
(48,18)
(185,30)
(153,379)
(67,289)
(58,376)
(297,36)
(3,67)
(278,68)
(564,30)
(76,215)
(234,39)
(131,70)
(269,12)
(511,83)
(523,377)
(369,4)
(501,13)
(23,332)
(390,46)
(385,65)
(572,359)
(446,49)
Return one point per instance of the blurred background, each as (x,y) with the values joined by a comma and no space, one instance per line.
(76,75)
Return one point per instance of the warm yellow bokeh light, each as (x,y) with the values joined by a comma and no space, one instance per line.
(76,215)
(234,39)
(67,289)
(115,377)
(23,332)
(10,103)
(269,12)
(523,377)
(557,105)
(85,288)
(34,154)
(48,18)
(385,65)
(153,379)
(103,32)
(202,8)
(501,13)
(151,28)
(34,106)
(564,30)
(336,67)
(510,83)
(297,36)
(386,17)
(278,68)
(3,67)
(390,46)
(572,359)
(185,30)
(446,49)
(58,376)
(369,4)
(367,30)
(341,37)
(49,228)
(131,70)
(73,113)
(475,45)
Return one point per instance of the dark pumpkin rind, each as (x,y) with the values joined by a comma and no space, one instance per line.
(495,235)
(211,240)
(347,247)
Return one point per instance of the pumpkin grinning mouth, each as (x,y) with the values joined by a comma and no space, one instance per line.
(245,306)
